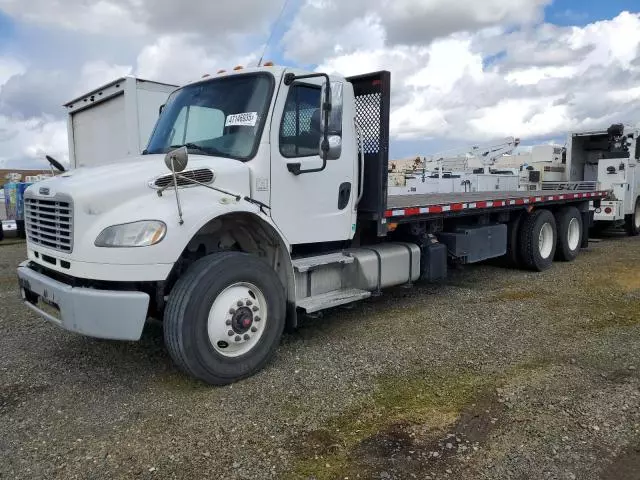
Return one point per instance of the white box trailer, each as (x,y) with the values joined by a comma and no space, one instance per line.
(114,121)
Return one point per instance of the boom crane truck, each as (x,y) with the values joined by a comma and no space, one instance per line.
(271,201)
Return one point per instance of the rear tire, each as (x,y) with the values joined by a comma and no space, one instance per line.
(632,221)
(538,238)
(570,231)
(225,317)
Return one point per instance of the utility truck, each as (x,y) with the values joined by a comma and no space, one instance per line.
(261,196)
(609,158)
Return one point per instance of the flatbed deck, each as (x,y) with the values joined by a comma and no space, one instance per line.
(399,206)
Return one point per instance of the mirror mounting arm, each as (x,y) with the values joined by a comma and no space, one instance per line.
(289,78)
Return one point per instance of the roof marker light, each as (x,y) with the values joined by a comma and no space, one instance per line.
(239,67)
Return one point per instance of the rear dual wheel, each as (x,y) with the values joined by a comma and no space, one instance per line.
(538,238)
(570,231)
(544,236)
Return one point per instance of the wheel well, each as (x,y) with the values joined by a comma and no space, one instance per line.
(243,232)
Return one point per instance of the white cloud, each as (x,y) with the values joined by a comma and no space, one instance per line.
(112,17)
(179,59)
(8,68)
(323,24)
(95,74)
(30,140)
(144,17)
(581,78)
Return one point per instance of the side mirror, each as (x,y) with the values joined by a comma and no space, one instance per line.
(177,160)
(335,147)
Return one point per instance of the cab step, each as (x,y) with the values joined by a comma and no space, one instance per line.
(306,264)
(332,299)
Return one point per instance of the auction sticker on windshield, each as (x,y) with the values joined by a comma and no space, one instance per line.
(248,119)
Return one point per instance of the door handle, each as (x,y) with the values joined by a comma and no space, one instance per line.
(344,193)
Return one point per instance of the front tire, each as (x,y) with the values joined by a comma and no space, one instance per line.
(538,236)
(632,221)
(570,228)
(225,317)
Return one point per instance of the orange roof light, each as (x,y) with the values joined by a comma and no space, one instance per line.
(221,71)
(268,64)
(239,67)
(206,75)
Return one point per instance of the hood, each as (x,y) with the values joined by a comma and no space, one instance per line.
(108,185)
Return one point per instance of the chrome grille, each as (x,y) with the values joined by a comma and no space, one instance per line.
(202,175)
(49,223)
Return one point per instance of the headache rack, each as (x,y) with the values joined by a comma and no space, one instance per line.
(372,93)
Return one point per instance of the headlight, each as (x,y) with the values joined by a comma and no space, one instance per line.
(136,234)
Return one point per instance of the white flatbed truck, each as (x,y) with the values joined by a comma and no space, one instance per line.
(261,195)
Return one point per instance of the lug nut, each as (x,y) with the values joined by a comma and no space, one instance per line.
(232,311)
(256,318)
(246,336)
(238,338)
(228,322)
(239,303)
(255,308)
(231,332)
(254,329)
(249,303)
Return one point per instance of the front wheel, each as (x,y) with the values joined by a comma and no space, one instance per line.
(225,317)
(633,220)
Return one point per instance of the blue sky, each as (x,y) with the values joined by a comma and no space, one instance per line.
(462,73)
(576,12)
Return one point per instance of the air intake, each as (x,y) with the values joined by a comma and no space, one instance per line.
(202,175)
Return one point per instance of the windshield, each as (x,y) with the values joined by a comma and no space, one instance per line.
(222,117)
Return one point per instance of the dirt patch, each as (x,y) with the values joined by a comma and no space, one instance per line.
(627,277)
(14,395)
(404,449)
(412,426)
(626,466)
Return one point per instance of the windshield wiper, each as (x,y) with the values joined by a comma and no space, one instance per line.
(200,148)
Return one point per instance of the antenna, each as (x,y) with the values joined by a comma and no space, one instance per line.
(273,28)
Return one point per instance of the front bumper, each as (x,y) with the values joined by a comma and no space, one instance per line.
(116,315)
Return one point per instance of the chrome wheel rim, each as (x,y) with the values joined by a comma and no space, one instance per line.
(237,319)
(545,240)
(573,234)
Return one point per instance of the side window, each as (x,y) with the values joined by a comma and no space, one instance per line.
(300,129)
(197,124)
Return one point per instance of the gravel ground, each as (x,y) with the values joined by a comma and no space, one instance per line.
(496,374)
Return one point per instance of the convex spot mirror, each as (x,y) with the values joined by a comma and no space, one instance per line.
(335,147)
(177,160)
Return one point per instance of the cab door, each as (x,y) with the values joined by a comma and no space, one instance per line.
(315,206)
